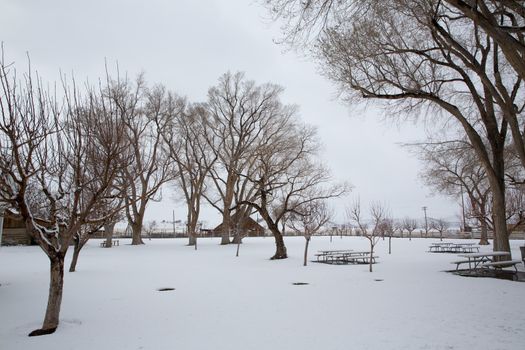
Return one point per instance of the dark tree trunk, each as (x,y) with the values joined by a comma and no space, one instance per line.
(78,243)
(54,300)
(109,230)
(237,237)
(497,185)
(389,244)
(226,227)
(280,248)
(371,255)
(238,248)
(136,229)
(226,213)
(484,239)
(76,251)
(192,228)
(306,251)
(501,239)
(192,239)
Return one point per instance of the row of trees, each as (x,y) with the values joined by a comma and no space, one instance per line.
(242,151)
(451,168)
(459,63)
(73,164)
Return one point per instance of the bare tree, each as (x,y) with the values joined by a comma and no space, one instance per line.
(54,167)
(308,220)
(504,22)
(183,130)
(240,111)
(452,168)
(388,227)
(109,226)
(409,225)
(80,238)
(421,54)
(398,226)
(150,168)
(439,225)
(150,228)
(288,176)
(378,214)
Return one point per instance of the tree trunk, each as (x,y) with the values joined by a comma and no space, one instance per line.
(390,245)
(280,248)
(237,237)
(192,226)
(136,229)
(192,238)
(54,300)
(371,255)
(226,212)
(238,248)
(76,252)
(108,230)
(484,239)
(501,238)
(226,226)
(306,251)
(497,185)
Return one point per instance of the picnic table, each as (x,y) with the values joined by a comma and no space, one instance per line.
(345,257)
(113,242)
(486,260)
(449,247)
(322,255)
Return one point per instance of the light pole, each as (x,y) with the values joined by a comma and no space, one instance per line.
(426,221)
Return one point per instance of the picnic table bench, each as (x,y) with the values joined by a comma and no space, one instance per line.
(113,242)
(498,265)
(477,260)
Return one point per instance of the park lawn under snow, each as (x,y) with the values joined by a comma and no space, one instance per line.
(250,303)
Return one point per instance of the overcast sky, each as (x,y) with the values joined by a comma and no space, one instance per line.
(186,45)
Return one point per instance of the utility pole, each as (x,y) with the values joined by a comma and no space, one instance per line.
(426,221)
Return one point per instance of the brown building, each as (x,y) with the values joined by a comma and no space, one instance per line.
(250,228)
(14,231)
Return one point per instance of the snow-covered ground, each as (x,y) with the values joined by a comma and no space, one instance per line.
(250,302)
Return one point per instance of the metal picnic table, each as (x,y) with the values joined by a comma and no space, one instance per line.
(476,260)
(345,257)
(449,247)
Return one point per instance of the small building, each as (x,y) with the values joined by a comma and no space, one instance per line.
(249,227)
(14,230)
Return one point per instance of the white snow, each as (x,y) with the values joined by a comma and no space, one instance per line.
(250,303)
